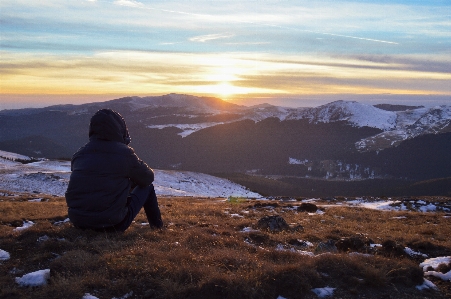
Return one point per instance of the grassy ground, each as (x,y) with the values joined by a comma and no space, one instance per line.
(204,253)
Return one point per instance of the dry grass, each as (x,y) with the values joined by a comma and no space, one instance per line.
(203,252)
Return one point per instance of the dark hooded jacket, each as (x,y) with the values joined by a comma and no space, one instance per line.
(103,172)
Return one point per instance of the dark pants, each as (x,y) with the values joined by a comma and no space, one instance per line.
(141,197)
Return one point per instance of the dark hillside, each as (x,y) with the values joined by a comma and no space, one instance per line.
(27,145)
(421,158)
(267,145)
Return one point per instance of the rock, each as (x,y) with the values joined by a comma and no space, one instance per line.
(307,207)
(300,244)
(273,223)
(328,246)
(297,228)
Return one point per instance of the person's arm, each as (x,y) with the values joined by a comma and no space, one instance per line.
(140,174)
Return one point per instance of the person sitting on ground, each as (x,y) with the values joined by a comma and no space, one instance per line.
(104,171)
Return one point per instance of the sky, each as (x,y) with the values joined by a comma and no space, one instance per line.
(288,53)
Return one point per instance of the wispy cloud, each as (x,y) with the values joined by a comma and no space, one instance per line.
(130,3)
(275,47)
(254,73)
(209,37)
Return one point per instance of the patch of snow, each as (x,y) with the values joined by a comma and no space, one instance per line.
(248,230)
(310,200)
(318,212)
(35,200)
(4,255)
(435,262)
(414,253)
(186,183)
(187,129)
(236,216)
(89,296)
(429,208)
(13,156)
(61,222)
(426,285)
(125,296)
(303,252)
(34,279)
(442,276)
(43,238)
(324,292)
(26,224)
(294,161)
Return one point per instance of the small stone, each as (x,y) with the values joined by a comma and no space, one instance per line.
(273,223)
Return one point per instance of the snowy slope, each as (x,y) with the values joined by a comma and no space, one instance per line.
(357,114)
(397,126)
(13,156)
(186,183)
(410,124)
(52,177)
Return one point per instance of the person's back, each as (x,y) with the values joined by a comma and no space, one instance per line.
(103,172)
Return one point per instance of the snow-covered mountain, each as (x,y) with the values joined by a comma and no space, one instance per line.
(190,114)
(397,126)
(208,135)
(410,124)
(357,114)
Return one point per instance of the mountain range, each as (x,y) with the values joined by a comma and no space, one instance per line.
(343,141)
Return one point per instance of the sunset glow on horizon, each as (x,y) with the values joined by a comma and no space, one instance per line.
(84,51)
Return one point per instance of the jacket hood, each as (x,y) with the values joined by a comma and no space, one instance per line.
(107,124)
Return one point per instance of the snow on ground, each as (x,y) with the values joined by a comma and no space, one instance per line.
(4,255)
(388,205)
(187,129)
(324,292)
(49,177)
(186,183)
(52,177)
(434,263)
(26,224)
(13,156)
(427,284)
(34,279)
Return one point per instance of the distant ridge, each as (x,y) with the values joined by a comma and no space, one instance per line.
(339,141)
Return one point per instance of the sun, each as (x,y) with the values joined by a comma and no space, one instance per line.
(224,90)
